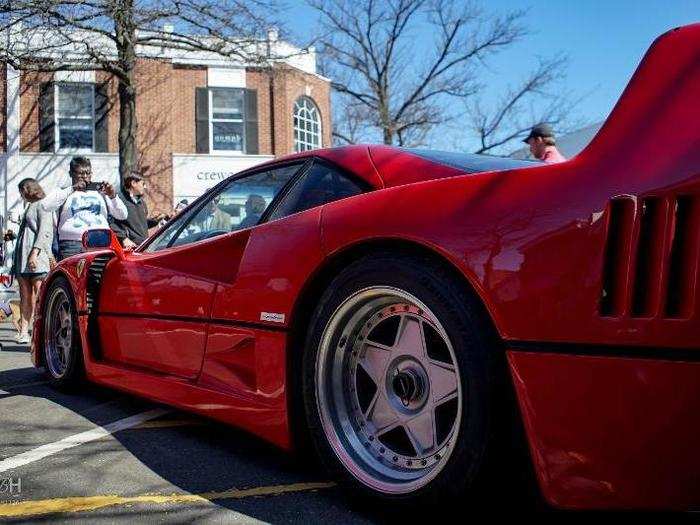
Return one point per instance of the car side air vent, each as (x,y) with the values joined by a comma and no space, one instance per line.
(94,279)
(617,254)
(649,257)
(682,270)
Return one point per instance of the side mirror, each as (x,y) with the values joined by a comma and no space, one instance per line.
(100,239)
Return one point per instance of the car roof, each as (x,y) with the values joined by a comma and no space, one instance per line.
(386,166)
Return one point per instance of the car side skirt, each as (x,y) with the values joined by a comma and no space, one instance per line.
(260,409)
(611,431)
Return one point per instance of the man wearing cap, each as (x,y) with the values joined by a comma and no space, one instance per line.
(133,230)
(542,144)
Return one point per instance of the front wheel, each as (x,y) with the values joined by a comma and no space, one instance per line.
(397,380)
(62,353)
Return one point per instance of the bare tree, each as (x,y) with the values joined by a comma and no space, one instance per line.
(520,107)
(109,35)
(395,83)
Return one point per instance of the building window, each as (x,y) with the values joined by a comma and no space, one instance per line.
(226,120)
(75,116)
(307,125)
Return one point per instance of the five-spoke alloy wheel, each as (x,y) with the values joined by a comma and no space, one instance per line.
(396,379)
(388,389)
(62,355)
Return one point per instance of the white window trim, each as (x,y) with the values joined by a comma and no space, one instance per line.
(57,130)
(224,152)
(295,129)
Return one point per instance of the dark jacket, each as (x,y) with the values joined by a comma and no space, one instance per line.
(136,224)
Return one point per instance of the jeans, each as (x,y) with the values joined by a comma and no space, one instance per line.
(68,248)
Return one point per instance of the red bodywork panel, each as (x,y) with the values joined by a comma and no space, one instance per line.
(597,255)
(605,432)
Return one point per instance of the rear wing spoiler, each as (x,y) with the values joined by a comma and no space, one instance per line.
(658,115)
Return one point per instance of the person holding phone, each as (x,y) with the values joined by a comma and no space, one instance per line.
(85,205)
(134,229)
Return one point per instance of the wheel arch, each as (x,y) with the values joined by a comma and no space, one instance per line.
(326,271)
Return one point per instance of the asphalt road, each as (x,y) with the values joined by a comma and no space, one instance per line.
(153,467)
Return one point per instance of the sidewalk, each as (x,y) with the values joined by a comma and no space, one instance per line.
(7,339)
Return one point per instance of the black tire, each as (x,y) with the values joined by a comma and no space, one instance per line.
(477,360)
(70,375)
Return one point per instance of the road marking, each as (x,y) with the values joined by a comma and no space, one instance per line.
(90,503)
(50,449)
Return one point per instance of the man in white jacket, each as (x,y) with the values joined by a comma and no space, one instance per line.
(81,208)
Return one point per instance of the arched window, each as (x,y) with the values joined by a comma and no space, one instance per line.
(307,125)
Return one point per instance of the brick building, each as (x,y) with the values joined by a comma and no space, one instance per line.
(201,119)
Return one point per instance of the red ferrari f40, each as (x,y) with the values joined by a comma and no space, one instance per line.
(390,301)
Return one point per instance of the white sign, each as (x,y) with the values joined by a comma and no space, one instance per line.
(195,174)
(226,77)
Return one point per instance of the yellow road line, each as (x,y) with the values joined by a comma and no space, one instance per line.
(90,503)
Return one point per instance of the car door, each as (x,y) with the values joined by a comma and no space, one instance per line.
(246,345)
(159,298)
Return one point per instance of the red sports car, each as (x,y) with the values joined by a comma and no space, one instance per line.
(389,300)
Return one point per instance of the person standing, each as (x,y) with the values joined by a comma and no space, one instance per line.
(82,208)
(133,230)
(32,257)
(543,144)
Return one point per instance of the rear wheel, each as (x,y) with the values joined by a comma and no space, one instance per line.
(397,380)
(61,338)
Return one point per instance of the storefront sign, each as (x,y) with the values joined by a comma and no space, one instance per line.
(195,174)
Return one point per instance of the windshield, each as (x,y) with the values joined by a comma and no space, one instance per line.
(471,162)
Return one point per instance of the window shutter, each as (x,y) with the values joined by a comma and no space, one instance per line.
(101,120)
(202,119)
(251,122)
(47,126)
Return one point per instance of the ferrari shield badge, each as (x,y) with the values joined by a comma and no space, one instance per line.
(80,267)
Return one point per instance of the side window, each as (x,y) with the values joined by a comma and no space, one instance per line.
(165,236)
(320,185)
(239,204)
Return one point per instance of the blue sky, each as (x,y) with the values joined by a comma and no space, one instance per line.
(604,40)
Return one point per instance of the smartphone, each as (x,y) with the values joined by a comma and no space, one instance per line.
(93,186)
